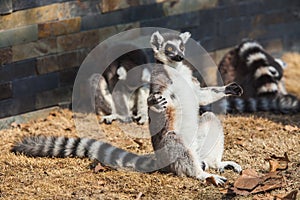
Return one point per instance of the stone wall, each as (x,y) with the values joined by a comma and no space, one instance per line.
(42,42)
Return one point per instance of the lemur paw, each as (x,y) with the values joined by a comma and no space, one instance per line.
(233,89)
(108,119)
(157,102)
(216,180)
(141,119)
(230,165)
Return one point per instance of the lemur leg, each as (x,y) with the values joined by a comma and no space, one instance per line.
(211,144)
(142,107)
(122,104)
(208,95)
(142,96)
(118,100)
(183,161)
(104,104)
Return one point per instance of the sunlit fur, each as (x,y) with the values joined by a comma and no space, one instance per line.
(184,144)
(200,139)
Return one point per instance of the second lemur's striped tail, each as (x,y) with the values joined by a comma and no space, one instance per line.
(285,104)
(43,146)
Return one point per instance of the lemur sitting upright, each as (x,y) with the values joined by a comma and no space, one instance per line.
(184,143)
(120,95)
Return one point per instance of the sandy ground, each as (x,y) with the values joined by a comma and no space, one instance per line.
(249,139)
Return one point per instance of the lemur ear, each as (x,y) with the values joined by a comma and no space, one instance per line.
(122,73)
(185,36)
(281,63)
(156,40)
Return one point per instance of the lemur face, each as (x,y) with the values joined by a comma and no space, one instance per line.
(274,71)
(169,48)
(259,62)
(174,50)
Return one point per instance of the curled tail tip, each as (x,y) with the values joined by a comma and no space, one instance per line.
(14,149)
(21,146)
(18,146)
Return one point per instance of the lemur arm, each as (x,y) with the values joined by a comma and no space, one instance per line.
(208,95)
(159,82)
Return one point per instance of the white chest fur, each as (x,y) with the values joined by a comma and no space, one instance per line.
(181,94)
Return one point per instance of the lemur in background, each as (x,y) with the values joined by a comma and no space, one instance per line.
(261,77)
(120,95)
(184,142)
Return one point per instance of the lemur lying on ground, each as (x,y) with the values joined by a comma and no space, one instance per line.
(261,77)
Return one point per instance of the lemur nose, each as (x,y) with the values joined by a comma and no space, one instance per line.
(178,58)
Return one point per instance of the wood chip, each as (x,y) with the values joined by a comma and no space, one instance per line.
(139,196)
(290,128)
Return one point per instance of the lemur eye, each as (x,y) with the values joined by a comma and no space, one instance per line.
(170,49)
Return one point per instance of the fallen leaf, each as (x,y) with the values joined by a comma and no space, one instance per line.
(264,197)
(271,185)
(278,163)
(285,158)
(290,196)
(227,191)
(271,175)
(248,180)
(240,192)
(100,168)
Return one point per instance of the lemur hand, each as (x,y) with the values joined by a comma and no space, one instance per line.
(157,102)
(233,89)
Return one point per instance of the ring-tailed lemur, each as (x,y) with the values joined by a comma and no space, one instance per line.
(261,77)
(184,143)
(120,95)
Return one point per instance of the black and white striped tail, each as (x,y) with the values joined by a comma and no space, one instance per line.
(106,154)
(285,104)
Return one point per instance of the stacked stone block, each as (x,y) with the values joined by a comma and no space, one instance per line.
(43,43)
